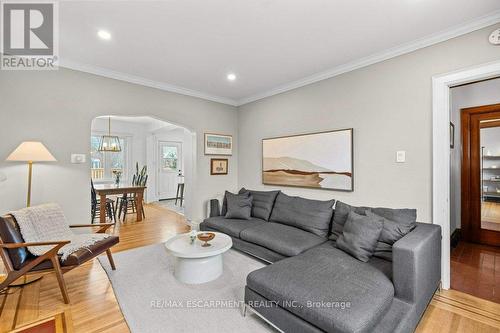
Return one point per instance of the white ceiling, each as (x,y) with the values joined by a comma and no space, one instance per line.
(189,46)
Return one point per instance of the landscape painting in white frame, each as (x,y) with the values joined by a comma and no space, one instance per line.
(218,144)
(318,160)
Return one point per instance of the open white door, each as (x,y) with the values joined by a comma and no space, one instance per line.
(169,168)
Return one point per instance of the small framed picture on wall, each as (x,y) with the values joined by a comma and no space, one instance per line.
(219,166)
(218,144)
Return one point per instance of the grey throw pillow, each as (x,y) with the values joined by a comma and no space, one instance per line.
(238,206)
(223,211)
(360,235)
(403,216)
(340,215)
(263,202)
(399,223)
(391,233)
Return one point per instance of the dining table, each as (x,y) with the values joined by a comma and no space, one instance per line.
(104,190)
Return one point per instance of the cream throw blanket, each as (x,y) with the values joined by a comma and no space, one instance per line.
(46,223)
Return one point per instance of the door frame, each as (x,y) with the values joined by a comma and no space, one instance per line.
(441,85)
(158,141)
(469,206)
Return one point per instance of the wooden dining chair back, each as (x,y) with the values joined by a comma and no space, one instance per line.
(94,212)
(128,202)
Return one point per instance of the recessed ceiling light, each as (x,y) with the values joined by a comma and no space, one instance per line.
(231,76)
(103,34)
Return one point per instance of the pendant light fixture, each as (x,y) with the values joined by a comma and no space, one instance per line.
(110,143)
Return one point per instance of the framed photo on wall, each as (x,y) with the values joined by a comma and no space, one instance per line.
(218,144)
(321,160)
(219,166)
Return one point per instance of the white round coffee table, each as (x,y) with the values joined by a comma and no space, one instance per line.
(195,264)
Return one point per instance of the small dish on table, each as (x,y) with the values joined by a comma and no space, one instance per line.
(206,237)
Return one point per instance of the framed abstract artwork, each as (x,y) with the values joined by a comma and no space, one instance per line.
(321,160)
(218,144)
(219,166)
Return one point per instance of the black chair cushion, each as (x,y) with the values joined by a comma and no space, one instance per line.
(9,233)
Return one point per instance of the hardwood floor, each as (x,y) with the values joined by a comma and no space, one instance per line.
(475,270)
(94,308)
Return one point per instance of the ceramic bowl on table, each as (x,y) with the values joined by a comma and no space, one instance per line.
(206,237)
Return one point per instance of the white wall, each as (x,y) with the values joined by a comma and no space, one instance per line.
(57,108)
(388,104)
(477,94)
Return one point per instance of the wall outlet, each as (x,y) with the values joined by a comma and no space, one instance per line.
(78,158)
(400,156)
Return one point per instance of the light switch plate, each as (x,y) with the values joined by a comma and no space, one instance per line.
(78,158)
(400,156)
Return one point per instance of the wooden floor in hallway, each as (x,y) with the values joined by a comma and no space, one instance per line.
(94,307)
(475,270)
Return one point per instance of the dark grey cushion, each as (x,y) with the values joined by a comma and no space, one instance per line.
(405,221)
(223,210)
(286,240)
(232,227)
(402,216)
(360,235)
(327,275)
(310,215)
(263,202)
(391,233)
(342,210)
(239,206)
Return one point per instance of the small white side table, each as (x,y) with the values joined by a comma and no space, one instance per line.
(195,264)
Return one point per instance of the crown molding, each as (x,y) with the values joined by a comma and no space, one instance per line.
(66,63)
(442,36)
(439,37)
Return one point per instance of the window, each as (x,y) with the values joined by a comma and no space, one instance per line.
(104,163)
(169,158)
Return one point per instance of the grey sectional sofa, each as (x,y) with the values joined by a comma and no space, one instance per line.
(312,286)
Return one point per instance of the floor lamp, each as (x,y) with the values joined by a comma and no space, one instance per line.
(31,151)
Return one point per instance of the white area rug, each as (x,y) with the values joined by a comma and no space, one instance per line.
(152,300)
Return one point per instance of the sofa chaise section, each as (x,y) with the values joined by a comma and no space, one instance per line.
(416,274)
(327,288)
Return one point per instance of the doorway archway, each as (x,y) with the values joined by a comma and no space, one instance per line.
(140,137)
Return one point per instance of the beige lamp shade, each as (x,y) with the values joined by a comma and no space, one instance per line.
(31,151)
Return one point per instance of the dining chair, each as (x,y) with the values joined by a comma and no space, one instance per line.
(128,202)
(95,205)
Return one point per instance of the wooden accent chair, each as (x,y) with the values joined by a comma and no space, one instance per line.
(18,261)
